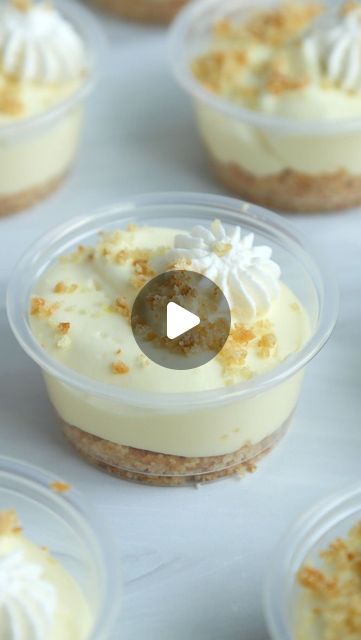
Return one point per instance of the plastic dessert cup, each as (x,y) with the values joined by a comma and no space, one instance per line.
(70,530)
(150,11)
(37,152)
(175,438)
(313,533)
(284,164)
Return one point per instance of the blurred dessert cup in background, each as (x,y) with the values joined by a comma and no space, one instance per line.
(148,11)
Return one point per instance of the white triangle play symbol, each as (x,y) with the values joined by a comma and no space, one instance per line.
(179,320)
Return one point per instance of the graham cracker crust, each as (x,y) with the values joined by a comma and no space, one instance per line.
(24,199)
(147,467)
(143,10)
(291,191)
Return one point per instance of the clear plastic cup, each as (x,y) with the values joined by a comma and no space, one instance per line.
(148,11)
(285,164)
(175,438)
(312,534)
(65,524)
(37,152)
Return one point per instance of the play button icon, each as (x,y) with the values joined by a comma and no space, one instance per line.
(180,319)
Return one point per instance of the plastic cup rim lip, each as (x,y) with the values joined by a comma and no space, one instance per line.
(76,503)
(96,44)
(161,400)
(187,81)
(274,583)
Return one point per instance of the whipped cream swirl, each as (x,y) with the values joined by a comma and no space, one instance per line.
(27,601)
(38,45)
(244,272)
(333,49)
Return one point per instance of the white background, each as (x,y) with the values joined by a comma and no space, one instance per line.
(193,559)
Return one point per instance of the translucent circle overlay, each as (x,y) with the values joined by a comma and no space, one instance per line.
(194,293)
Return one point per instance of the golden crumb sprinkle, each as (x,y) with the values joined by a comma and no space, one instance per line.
(266,344)
(61,287)
(279,83)
(22,5)
(41,308)
(331,596)
(9,523)
(121,306)
(64,327)
(119,367)
(230,69)
(349,7)
(10,102)
(60,487)
(222,248)
(241,334)
(131,227)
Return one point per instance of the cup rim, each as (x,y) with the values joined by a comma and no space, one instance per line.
(94,37)
(259,216)
(311,526)
(184,21)
(104,547)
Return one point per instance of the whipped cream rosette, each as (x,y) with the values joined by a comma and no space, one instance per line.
(39,600)
(277,91)
(37,44)
(244,272)
(47,68)
(139,416)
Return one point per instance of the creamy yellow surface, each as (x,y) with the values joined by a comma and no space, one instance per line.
(72,619)
(328,606)
(32,159)
(98,337)
(259,83)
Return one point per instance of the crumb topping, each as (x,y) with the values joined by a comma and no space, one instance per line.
(9,523)
(119,367)
(41,308)
(333,590)
(60,487)
(233,68)
(10,101)
(61,287)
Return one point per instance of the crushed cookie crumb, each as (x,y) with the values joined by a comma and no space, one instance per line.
(41,308)
(61,287)
(60,487)
(119,367)
(121,306)
(131,227)
(63,327)
(9,523)
(266,344)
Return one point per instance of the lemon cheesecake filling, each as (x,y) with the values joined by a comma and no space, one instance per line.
(298,61)
(39,599)
(80,314)
(43,63)
(328,606)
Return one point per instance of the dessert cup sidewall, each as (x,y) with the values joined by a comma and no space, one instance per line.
(194,23)
(72,533)
(310,534)
(210,431)
(40,155)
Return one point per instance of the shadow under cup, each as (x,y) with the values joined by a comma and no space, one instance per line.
(174,438)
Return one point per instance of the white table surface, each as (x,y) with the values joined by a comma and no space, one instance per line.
(193,559)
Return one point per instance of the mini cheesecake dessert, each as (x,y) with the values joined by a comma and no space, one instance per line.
(277,93)
(149,11)
(328,605)
(45,73)
(39,599)
(80,314)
